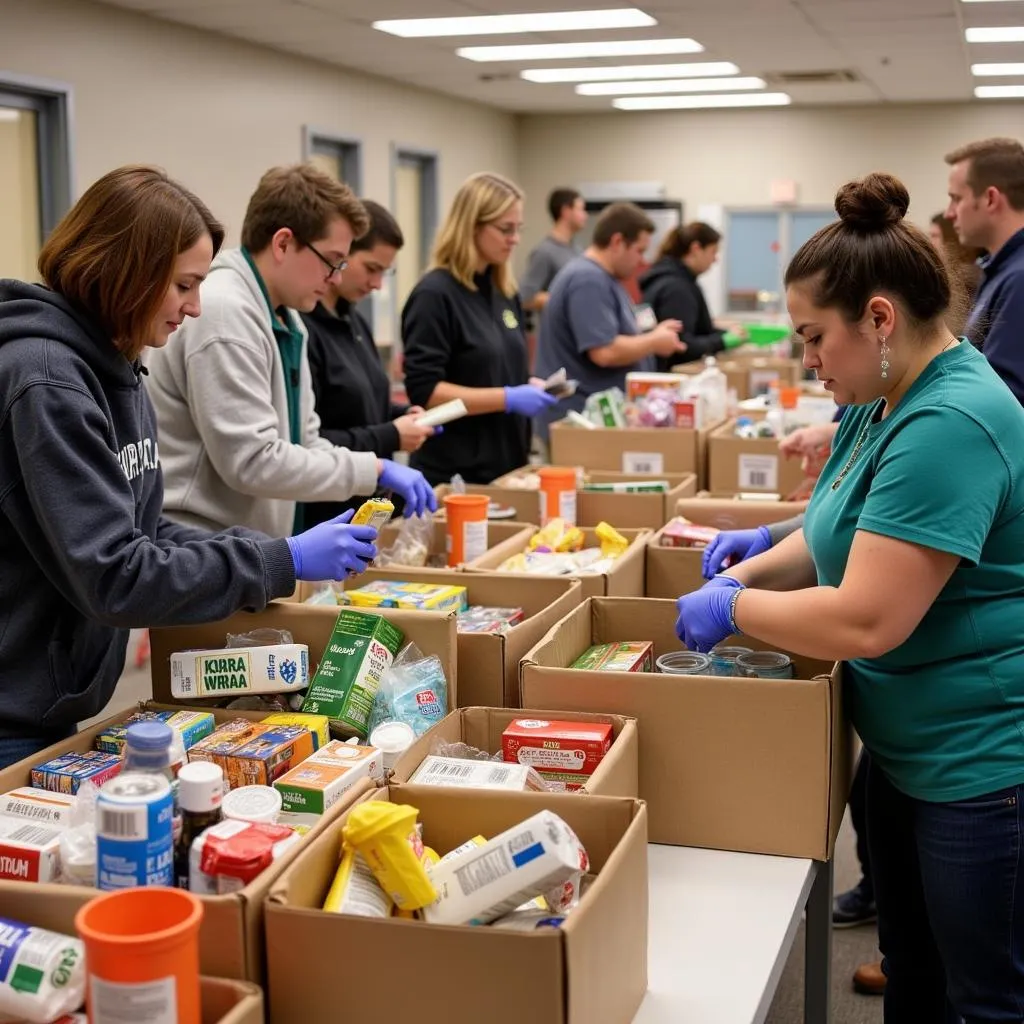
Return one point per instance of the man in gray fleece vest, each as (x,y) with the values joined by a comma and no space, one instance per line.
(240,440)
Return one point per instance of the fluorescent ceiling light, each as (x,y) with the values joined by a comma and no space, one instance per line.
(504,24)
(9,116)
(983,70)
(671,85)
(1010,34)
(630,71)
(567,51)
(998,92)
(764,99)
(980,1)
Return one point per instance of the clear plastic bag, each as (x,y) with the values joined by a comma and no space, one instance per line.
(263,637)
(412,546)
(78,840)
(413,690)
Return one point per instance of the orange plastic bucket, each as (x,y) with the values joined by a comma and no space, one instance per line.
(557,494)
(467,526)
(142,949)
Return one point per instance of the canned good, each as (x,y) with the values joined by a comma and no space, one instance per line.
(685,663)
(765,665)
(723,660)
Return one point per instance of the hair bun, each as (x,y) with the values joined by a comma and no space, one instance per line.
(874,203)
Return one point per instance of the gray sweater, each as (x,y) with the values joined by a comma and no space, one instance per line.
(780,531)
(219,391)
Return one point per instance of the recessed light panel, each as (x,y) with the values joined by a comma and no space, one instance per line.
(569,51)
(764,99)
(505,24)
(670,85)
(705,69)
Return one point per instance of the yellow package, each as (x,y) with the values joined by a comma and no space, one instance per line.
(355,890)
(318,725)
(557,535)
(375,512)
(613,544)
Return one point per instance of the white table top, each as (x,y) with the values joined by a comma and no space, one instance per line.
(721,928)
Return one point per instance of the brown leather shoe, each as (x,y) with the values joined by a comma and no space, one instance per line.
(869,980)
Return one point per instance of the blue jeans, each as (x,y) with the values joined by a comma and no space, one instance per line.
(16,748)
(950,911)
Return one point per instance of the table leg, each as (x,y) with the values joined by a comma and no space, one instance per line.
(818,960)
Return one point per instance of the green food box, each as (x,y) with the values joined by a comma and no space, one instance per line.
(630,656)
(361,649)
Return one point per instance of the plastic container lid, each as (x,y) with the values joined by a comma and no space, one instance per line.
(152,735)
(261,804)
(558,475)
(392,739)
(683,663)
(200,786)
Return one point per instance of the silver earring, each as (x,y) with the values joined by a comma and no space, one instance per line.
(885,356)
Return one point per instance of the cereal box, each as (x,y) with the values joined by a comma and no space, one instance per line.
(318,725)
(191,725)
(64,774)
(253,753)
(434,597)
(318,783)
(37,806)
(629,656)
(569,751)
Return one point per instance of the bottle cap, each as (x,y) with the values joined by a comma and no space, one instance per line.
(149,735)
(259,804)
(200,786)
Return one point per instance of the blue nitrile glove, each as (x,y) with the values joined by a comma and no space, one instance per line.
(737,545)
(333,550)
(527,400)
(411,484)
(705,616)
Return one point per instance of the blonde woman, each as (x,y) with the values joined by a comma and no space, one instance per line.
(462,331)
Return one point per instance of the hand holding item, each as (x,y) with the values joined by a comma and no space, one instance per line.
(333,550)
(706,617)
(732,546)
(411,484)
(527,400)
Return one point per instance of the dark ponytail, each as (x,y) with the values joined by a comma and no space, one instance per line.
(678,241)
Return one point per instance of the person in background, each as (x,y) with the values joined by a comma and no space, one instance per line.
(569,214)
(463,337)
(964,258)
(85,552)
(351,389)
(986,207)
(589,325)
(913,579)
(670,288)
(240,439)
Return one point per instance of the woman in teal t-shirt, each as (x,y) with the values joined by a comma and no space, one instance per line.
(910,567)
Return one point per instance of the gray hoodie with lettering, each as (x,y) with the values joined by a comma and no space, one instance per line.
(85,552)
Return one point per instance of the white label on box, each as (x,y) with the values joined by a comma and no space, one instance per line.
(567,506)
(761,381)
(649,463)
(474,540)
(151,1002)
(759,472)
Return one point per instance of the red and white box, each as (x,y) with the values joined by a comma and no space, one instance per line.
(563,748)
(28,852)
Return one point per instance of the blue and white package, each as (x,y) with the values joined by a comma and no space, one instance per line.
(42,974)
(413,691)
(134,832)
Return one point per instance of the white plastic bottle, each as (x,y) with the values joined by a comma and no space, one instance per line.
(715,388)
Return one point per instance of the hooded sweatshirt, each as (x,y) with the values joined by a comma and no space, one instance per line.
(672,291)
(84,551)
(221,399)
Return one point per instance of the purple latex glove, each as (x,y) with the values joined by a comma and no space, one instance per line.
(333,550)
(527,400)
(705,616)
(412,485)
(737,545)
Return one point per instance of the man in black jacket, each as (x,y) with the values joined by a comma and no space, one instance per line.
(353,392)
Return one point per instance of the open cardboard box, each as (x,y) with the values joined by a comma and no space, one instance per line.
(675,571)
(624,579)
(623,511)
(593,968)
(751,375)
(616,775)
(750,464)
(231,934)
(755,765)
(432,632)
(489,662)
(636,451)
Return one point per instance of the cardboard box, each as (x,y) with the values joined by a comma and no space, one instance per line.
(750,464)
(675,571)
(231,935)
(751,375)
(312,625)
(755,765)
(526,503)
(482,728)
(502,535)
(593,968)
(624,579)
(643,451)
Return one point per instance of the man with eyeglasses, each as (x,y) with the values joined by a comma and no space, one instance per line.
(240,441)
(352,389)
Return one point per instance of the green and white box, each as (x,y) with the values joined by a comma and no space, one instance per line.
(230,671)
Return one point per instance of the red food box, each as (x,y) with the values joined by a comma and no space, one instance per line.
(687,414)
(681,533)
(567,748)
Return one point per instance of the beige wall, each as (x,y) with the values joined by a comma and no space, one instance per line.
(19,189)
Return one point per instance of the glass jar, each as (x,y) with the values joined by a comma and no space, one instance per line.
(723,660)
(765,665)
(684,663)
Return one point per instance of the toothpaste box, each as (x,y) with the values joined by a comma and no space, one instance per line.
(64,774)
(469,774)
(37,806)
(564,782)
(631,656)
(191,725)
(230,671)
(361,649)
(253,753)
(28,852)
(318,783)
(318,725)
(570,751)
(433,597)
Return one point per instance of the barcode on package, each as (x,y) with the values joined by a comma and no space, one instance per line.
(17,809)
(498,776)
(758,472)
(33,835)
(123,823)
(179,680)
(452,771)
(483,870)
(643,463)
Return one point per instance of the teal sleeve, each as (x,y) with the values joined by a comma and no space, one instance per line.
(941,482)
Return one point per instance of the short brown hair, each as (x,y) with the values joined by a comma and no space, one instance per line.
(383,229)
(994,163)
(303,199)
(626,219)
(113,253)
(678,242)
